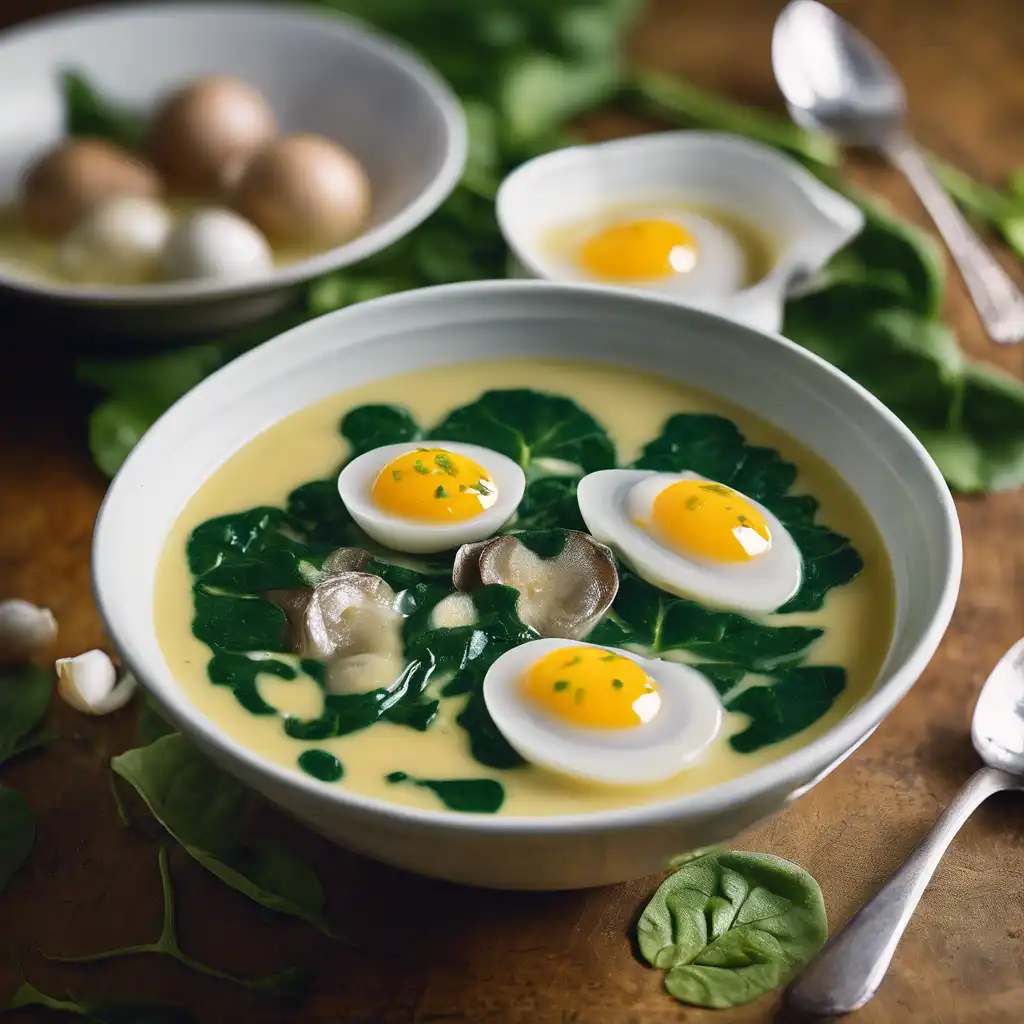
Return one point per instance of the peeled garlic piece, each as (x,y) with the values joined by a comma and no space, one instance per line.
(564,596)
(454,610)
(89,683)
(349,620)
(24,630)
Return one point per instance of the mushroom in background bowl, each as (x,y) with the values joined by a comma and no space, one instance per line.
(260,137)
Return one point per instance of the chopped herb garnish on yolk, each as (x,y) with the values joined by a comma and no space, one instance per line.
(591,688)
(419,485)
(444,461)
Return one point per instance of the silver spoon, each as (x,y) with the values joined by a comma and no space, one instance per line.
(848,971)
(837,82)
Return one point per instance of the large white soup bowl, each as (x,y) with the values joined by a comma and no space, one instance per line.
(826,411)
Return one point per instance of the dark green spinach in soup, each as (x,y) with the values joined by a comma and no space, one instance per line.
(756,665)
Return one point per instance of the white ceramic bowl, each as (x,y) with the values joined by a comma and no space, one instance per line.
(808,398)
(319,71)
(804,222)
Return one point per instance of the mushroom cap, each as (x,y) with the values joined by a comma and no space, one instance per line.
(202,135)
(563,596)
(304,191)
(76,175)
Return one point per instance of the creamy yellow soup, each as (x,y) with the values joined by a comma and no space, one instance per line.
(856,617)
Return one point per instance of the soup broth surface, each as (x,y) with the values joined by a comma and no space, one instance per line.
(633,408)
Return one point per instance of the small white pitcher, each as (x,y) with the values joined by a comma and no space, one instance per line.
(804,222)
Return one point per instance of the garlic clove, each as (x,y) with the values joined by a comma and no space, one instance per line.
(453,611)
(89,683)
(563,596)
(24,630)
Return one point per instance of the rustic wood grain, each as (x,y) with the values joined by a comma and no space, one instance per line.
(432,952)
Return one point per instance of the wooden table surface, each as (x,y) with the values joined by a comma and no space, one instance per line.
(433,951)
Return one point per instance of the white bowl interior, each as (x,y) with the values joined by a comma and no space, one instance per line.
(320,73)
(708,169)
(874,453)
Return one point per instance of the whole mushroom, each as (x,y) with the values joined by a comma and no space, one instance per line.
(304,192)
(69,180)
(202,135)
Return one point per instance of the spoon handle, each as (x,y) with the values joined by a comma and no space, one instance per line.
(848,971)
(997,299)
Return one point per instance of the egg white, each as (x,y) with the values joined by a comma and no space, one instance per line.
(215,243)
(355,484)
(721,267)
(613,500)
(688,721)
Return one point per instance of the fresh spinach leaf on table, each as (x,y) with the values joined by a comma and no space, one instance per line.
(205,810)
(290,982)
(728,927)
(674,99)
(24,697)
(99,1011)
(17,833)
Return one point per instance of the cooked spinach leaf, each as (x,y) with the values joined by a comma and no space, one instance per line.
(528,426)
(658,622)
(24,697)
(471,796)
(205,810)
(227,623)
(715,448)
(795,699)
(241,673)
(729,927)
(289,982)
(318,513)
(322,765)
(372,426)
(100,1012)
(550,503)
(17,833)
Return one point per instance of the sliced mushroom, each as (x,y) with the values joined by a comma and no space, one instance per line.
(564,596)
(346,560)
(293,601)
(348,620)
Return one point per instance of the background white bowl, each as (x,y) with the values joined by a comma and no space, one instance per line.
(804,222)
(320,72)
(811,400)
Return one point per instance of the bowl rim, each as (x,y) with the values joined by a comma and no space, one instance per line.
(792,771)
(384,47)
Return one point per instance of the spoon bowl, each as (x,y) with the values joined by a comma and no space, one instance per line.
(997,730)
(835,81)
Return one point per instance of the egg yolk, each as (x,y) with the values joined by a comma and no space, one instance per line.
(433,485)
(639,250)
(710,521)
(592,688)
